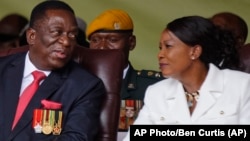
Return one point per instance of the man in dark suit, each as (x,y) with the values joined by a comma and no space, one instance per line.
(68,100)
(113,29)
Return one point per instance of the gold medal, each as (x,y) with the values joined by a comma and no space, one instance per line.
(58,121)
(57,130)
(47,128)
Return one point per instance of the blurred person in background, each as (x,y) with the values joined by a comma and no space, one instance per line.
(11,27)
(81,37)
(238,27)
(233,23)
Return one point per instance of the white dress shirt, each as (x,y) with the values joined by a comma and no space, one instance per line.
(27,76)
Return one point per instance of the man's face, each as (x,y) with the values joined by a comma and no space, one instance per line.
(53,39)
(113,40)
(109,40)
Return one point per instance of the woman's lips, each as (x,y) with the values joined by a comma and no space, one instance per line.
(162,65)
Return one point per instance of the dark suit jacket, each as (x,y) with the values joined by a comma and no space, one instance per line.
(79,92)
(136,82)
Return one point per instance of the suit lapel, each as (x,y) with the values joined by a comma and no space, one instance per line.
(45,90)
(12,79)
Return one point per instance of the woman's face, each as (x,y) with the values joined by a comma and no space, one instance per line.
(175,57)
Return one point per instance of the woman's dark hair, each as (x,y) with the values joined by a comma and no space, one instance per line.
(39,11)
(218,46)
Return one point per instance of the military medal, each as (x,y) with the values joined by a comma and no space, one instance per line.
(47,121)
(58,122)
(47,129)
(47,126)
(37,120)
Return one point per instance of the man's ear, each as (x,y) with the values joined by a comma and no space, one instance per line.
(31,36)
(132,40)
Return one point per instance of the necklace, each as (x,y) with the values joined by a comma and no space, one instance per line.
(192,97)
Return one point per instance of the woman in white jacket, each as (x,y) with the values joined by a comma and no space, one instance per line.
(194,58)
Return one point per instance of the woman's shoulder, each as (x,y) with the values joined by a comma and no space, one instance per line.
(229,73)
(236,73)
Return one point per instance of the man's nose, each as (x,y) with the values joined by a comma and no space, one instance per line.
(65,40)
(103,45)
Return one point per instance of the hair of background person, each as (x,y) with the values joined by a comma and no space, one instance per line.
(11,26)
(232,22)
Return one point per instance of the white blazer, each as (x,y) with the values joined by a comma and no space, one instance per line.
(224,99)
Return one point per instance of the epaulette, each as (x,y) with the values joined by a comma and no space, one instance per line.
(149,73)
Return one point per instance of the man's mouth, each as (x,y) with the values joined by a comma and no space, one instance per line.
(60,53)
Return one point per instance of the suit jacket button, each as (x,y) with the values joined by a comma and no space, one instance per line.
(162,118)
(222,112)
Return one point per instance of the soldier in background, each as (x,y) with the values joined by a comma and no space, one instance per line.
(113,29)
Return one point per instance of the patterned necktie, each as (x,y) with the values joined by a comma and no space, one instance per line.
(27,95)
(192,99)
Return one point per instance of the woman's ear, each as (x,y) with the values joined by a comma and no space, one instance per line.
(31,36)
(196,52)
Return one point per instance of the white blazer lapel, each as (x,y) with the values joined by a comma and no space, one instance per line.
(177,104)
(209,92)
(206,101)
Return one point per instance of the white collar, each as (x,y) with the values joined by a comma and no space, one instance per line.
(29,67)
(125,71)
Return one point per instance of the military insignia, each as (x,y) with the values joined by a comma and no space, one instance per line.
(58,123)
(157,75)
(47,121)
(37,120)
(150,73)
(139,73)
(128,112)
(47,126)
(131,86)
(57,130)
(38,128)
(116,25)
